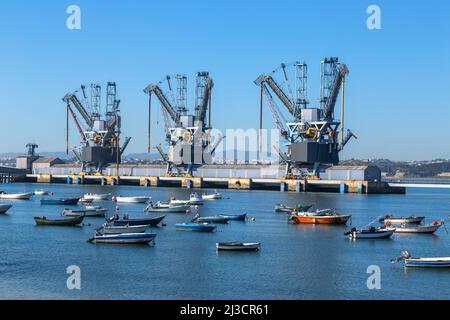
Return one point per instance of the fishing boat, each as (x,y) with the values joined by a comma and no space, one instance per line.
(238,246)
(107,229)
(124,238)
(214,196)
(419,228)
(125,221)
(176,202)
(86,212)
(95,211)
(239,217)
(73,213)
(371,233)
(195,199)
(300,208)
(213,219)
(61,201)
(442,262)
(73,221)
(327,216)
(4,208)
(197,227)
(167,207)
(132,199)
(401,220)
(16,196)
(96,197)
(40,193)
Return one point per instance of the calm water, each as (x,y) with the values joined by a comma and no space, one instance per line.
(296,261)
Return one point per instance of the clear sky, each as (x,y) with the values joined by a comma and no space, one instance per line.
(398,89)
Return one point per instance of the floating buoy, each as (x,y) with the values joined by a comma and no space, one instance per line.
(117,208)
(253,219)
(114,199)
(188,211)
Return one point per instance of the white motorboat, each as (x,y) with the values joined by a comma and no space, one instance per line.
(196,199)
(132,199)
(96,197)
(419,228)
(4,208)
(176,202)
(238,246)
(401,220)
(106,229)
(371,233)
(167,207)
(213,196)
(40,193)
(95,211)
(16,196)
(438,262)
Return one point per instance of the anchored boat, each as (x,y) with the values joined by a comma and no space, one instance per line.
(124,238)
(286,209)
(136,222)
(96,197)
(107,229)
(238,246)
(16,196)
(198,227)
(40,193)
(132,199)
(68,222)
(327,216)
(214,196)
(419,228)
(442,262)
(61,201)
(4,208)
(239,217)
(401,220)
(371,233)
(167,207)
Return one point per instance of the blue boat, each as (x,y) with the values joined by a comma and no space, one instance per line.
(124,238)
(239,217)
(442,262)
(61,201)
(125,221)
(198,227)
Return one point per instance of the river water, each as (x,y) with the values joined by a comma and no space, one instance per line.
(296,261)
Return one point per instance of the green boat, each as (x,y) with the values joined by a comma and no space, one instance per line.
(67,222)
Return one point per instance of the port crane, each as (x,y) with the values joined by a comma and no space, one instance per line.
(188,136)
(314,137)
(100,130)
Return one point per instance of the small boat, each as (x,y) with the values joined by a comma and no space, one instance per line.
(327,216)
(213,219)
(286,209)
(442,262)
(124,238)
(125,221)
(107,229)
(86,212)
(239,217)
(198,227)
(4,208)
(419,228)
(176,202)
(16,196)
(238,246)
(61,201)
(96,197)
(167,207)
(195,199)
(401,220)
(73,213)
(73,221)
(371,233)
(214,196)
(132,199)
(40,193)
(95,211)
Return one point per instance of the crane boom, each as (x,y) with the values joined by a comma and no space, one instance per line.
(277,90)
(79,106)
(273,109)
(331,102)
(163,100)
(74,117)
(206,97)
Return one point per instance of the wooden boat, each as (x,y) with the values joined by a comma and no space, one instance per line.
(95,211)
(167,207)
(96,197)
(73,221)
(40,193)
(238,246)
(85,212)
(61,201)
(132,199)
(176,202)
(239,217)
(326,216)
(16,196)
(197,227)
(401,220)
(442,262)
(213,219)
(137,222)
(214,196)
(107,229)
(124,238)
(419,228)
(73,213)
(371,233)
(286,209)
(4,208)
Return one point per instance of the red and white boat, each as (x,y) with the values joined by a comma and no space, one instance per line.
(327,216)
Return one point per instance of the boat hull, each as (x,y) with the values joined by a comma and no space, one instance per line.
(418,229)
(169,209)
(339,220)
(138,222)
(221,220)
(60,202)
(132,199)
(428,263)
(70,222)
(239,247)
(399,221)
(120,230)
(241,217)
(96,197)
(4,208)
(18,196)
(126,238)
(372,235)
(196,227)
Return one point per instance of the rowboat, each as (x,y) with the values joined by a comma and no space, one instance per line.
(419,228)
(238,246)
(326,216)
(4,208)
(371,233)
(286,209)
(239,217)
(195,199)
(73,213)
(107,229)
(137,222)
(40,193)
(132,199)
(214,219)
(73,221)
(16,196)
(213,196)
(401,220)
(96,197)
(125,238)
(442,262)
(167,207)
(86,213)
(61,201)
(176,202)
(198,227)
(95,211)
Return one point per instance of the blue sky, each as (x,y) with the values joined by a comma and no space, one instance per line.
(397,93)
